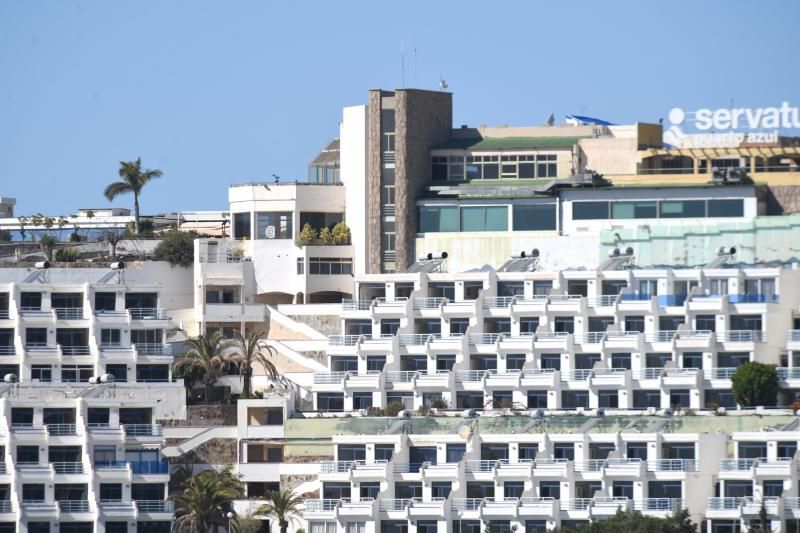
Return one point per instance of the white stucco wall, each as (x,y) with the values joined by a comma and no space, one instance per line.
(353,162)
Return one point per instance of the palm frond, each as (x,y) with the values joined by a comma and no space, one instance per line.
(115,189)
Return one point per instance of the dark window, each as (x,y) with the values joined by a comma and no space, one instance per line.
(726,208)
(642,399)
(241,226)
(110,337)
(105,301)
(362,400)
(351,452)
(152,373)
(513,489)
(589,210)
(634,323)
(515,361)
(110,492)
(550,489)
(551,361)
(33,492)
(534,217)
(35,336)
(330,402)
(564,450)
(274,225)
(383,452)
(27,454)
(441,489)
(564,324)
(30,300)
(369,489)
(574,399)
(120,372)
(608,399)
(636,450)
(683,209)
(528,324)
(628,210)
(621,360)
(537,399)
(692,359)
(44,373)
(375,363)
(528,451)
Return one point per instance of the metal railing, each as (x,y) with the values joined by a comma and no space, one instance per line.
(74,506)
(575,504)
(481,465)
(660,336)
(62,429)
(753,298)
(149,467)
(794,335)
(649,373)
(591,465)
(155,506)
(394,504)
(724,504)
(551,335)
(544,500)
(414,339)
(581,374)
(321,505)
(498,302)
(110,465)
(466,504)
(343,340)
(401,376)
(147,313)
(693,333)
(7,350)
(591,337)
(143,430)
(672,465)
(470,375)
(68,468)
(484,338)
(329,378)
(602,301)
(429,303)
(332,467)
(4,314)
(76,350)
(789,372)
(69,313)
(356,305)
(6,506)
(659,504)
(741,335)
(732,465)
(719,373)
(536,372)
(152,348)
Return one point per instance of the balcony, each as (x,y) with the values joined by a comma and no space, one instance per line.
(498,302)
(608,506)
(717,507)
(435,507)
(149,467)
(624,467)
(61,430)
(538,377)
(575,504)
(365,508)
(153,349)
(74,506)
(537,507)
(69,313)
(753,298)
(484,339)
(143,430)
(660,505)
(470,376)
(794,339)
(682,377)
(474,466)
(514,468)
(460,506)
(503,378)
(363,470)
(591,337)
(75,350)
(660,336)
(356,305)
(68,468)
(147,313)
(719,373)
(500,507)
(737,465)
(322,506)
(155,506)
(416,339)
(6,506)
(7,350)
(551,468)
(609,377)
(389,505)
(672,465)
(429,303)
(436,379)
(607,300)
(743,335)
(590,465)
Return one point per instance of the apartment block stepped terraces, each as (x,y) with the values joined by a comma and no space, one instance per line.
(575,339)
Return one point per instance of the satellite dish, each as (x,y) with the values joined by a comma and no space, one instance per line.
(442,85)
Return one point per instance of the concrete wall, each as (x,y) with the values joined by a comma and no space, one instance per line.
(606,154)
(353,171)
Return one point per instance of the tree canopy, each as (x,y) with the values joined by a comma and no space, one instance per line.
(755,384)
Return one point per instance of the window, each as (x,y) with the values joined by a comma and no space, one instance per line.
(274,225)
(241,226)
(551,361)
(330,266)
(36,337)
(351,452)
(706,322)
(33,492)
(98,416)
(441,489)
(455,452)
(105,301)
(356,527)
(375,363)
(692,359)
(76,373)
(550,489)
(362,400)
(110,492)
(488,218)
(564,324)
(717,287)
(726,208)
(542,288)
(621,360)
(528,324)
(383,452)
(438,219)
(321,527)
(513,489)
(389,326)
(27,454)
(773,488)
(574,399)
(439,168)
(109,337)
(642,399)
(636,450)
(528,451)
(459,325)
(319,220)
(42,373)
(330,402)
(589,210)
(515,361)
(152,373)
(608,399)
(444,363)
(627,210)
(648,287)
(369,490)
(31,301)
(682,209)
(534,217)
(537,399)
(300,264)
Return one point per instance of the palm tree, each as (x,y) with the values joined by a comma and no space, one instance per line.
(205,355)
(247,353)
(134,178)
(283,506)
(206,500)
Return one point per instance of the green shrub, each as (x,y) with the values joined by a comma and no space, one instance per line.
(755,384)
(341,234)
(326,237)
(393,408)
(176,247)
(308,235)
(68,255)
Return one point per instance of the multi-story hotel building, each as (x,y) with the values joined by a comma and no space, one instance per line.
(87,380)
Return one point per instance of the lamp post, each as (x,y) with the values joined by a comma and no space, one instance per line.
(230,516)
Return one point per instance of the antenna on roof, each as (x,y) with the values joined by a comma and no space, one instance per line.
(442,84)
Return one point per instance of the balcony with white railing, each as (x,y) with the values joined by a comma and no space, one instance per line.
(789,373)
(682,377)
(503,378)
(117,508)
(590,337)
(435,507)
(370,470)
(470,376)
(75,350)
(69,313)
(717,507)
(433,379)
(737,465)
(539,377)
(552,467)
(580,374)
(659,505)
(459,506)
(624,467)
(601,377)
(392,505)
(74,506)
(537,507)
(9,350)
(155,506)
(622,339)
(143,430)
(660,336)
(647,374)
(321,507)
(607,300)
(514,468)
(752,506)
(500,507)
(605,506)
(400,377)
(793,341)
(39,508)
(552,340)
(153,349)
(421,304)
(61,430)
(791,506)
(741,335)
(672,465)
(575,504)
(712,374)
(498,302)
(147,313)
(5,314)
(693,338)
(364,508)
(68,468)
(334,468)
(485,339)
(775,467)
(6,506)
(590,465)
(414,339)
(350,305)
(329,378)
(477,466)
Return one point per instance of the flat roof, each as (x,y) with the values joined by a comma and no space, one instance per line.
(508,143)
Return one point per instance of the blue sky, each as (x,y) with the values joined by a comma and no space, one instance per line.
(215,93)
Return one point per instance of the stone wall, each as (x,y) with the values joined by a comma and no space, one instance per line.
(292,481)
(325,324)
(204,415)
(423,119)
(783,199)
(213,452)
(373,189)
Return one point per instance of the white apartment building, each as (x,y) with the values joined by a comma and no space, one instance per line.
(568,340)
(534,473)
(87,371)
